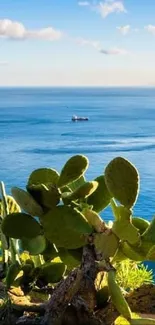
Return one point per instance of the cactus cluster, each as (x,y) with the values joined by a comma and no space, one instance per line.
(58,214)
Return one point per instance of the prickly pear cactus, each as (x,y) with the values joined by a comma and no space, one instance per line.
(45,196)
(73,170)
(76,184)
(34,246)
(100,199)
(106,244)
(26,202)
(133,253)
(67,206)
(12,273)
(102,289)
(43,176)
(94,220)
(66,227)
(117,296)
(149,234)
(122,180)
(20,225)
(52,272)
(141,224)
(70,257)
(123,227)
(83,191)
(150,256)
(50,252)
(119,255)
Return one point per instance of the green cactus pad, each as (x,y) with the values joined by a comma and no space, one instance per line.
(78,183)
(35,245)
(65,196)
(50,252)
(29,261)
(122,180)
(102,297)
(45,196)
(12,205)
(123,228)
(100,199)
(151,254)
(133,253)
(106,244)
(85,190)
(52,272)
(102,291)
(141,224)
(76,253)
(12,273)
(94,220)
(145,250)
(66,227)
(71,258)
(73,169)
(149,234)
(26,202)
(82,192)
(19,225)
(119,256)
(65,189)
(27,269)
(43,176)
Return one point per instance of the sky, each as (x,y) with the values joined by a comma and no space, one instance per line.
(77,43)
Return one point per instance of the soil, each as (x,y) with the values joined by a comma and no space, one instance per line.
(18,310)
(141,301)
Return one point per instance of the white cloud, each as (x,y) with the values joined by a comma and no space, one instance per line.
(106,7)
(98,47)
(84,3)
(114,51)
(16,30)
(83,42)
(12,29)
(124,30)
(150,29)
(47,34)
(109,6)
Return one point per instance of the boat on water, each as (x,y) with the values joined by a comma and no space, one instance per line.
(76,118)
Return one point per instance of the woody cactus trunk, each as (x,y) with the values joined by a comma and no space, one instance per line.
(56,219)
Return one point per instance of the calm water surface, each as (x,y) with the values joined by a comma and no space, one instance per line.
(36,131)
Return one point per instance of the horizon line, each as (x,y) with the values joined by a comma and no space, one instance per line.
(79,86)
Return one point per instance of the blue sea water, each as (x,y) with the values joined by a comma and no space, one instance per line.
(36,131)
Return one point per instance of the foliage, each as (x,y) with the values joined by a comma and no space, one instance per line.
(131,275)
(57,215)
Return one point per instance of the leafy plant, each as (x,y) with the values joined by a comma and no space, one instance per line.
(59,219)
(131,275)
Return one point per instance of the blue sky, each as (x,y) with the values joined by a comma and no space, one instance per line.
(77,43)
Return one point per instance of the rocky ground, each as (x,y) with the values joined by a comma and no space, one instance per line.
(17,309)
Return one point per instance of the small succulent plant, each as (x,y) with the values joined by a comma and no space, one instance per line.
(58,214)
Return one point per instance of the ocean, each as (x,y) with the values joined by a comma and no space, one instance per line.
(36,131)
